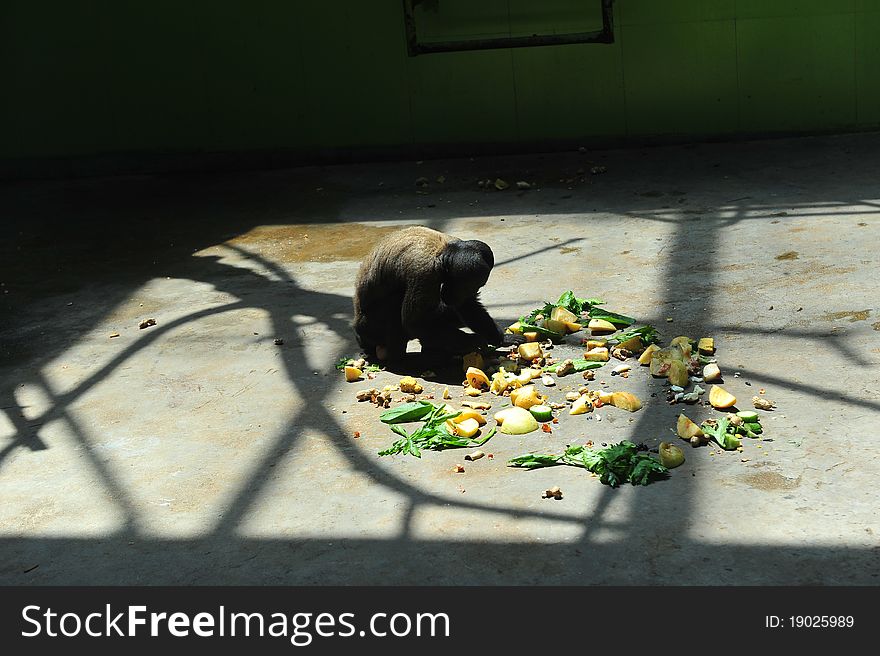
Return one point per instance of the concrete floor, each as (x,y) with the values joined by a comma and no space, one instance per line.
(198,451)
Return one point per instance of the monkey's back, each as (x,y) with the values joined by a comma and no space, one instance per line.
(395,262)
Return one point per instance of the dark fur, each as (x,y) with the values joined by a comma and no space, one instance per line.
(422,284)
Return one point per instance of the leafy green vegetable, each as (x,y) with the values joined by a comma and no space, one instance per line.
(431,436)
(534,328)
(613,317)
(407,412)
(568,301)
(648,335)
(574,304)
(347,362)
(534,461)
(646,469)
(723,432)
(616,464)
(579,365)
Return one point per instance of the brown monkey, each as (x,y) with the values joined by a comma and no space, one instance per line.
(418,283)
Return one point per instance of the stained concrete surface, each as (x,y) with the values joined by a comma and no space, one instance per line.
(199,451)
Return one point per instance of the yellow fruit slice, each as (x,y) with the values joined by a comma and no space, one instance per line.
(581,406)
(598,354)
(563,315)
(601,326)
(678,373)
(706,345)
(556,326)
(626,401)
(516,421)
(686,428)
(647,354)
(470,414)
(477,378)
(525,397)
(466,428)
(720,398)
(530,351)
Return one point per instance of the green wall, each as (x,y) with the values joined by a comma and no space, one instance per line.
(82,78)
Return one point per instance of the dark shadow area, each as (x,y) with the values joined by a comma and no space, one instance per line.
(100,241)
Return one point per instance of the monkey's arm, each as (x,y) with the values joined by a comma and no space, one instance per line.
(475,317)
(425,317)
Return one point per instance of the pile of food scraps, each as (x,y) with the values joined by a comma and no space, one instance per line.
(512,375)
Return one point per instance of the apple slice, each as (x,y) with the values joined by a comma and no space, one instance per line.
(686,428)
(530,351)
(720,398)
(516,421)
(647,354)
(626,401)
(601,326)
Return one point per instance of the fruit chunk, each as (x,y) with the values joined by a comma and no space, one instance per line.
(598,354)
(626,401)
(581,406)
(563,315)
(596,343)
(573,326)
(516,421)
(670,455)
(466,428)
(409,385)
(633,344)
(711,372)
(531,336)
(530,351)
(515,328)
(647,354)
(477,378)
(470,414)
(601,326)
(556,326)
(352,374)
(678,373)
(686,428)
(706,345)
(684,343)
(525,397)
(499,382)
(720,398)
(747,415)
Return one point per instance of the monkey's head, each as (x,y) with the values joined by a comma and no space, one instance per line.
(465,268)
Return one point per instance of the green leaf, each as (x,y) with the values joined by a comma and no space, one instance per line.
(615,464)
(723,433)
(646,469)
(572,303)
(648,335)
(342,363)
(407,412)
(579,365)
(613,317)
(534,460)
